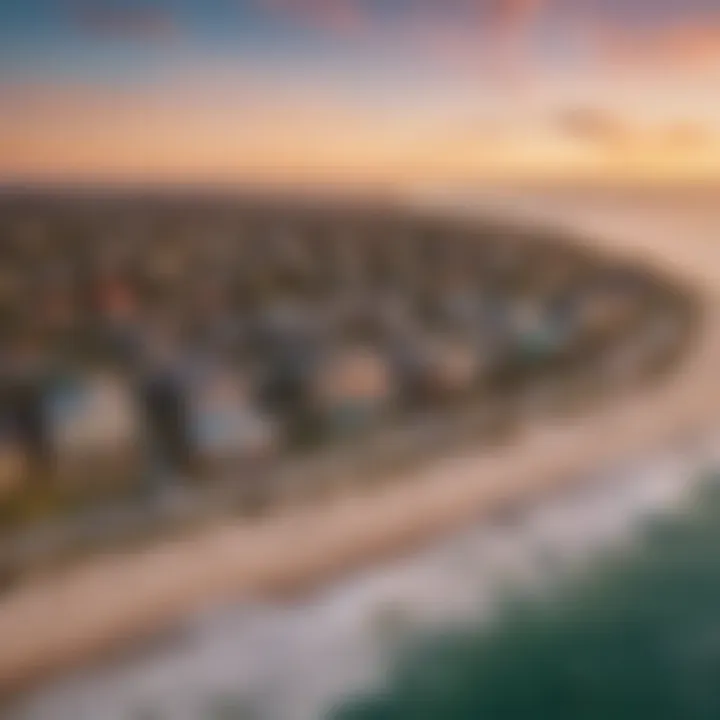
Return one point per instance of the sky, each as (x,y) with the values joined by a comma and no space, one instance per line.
(359,91)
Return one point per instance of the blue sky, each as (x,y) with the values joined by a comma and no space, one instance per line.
(360,70)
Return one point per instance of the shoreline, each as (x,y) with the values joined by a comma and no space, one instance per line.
(105,602)
(354,628)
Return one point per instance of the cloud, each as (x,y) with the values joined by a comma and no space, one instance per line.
(616,135)
(467,22)
(499,19)
(136,19)
(593,125)
(693,45)
(488,37)
(341,17)
(514,17)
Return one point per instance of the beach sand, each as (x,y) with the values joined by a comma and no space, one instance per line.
(69,617)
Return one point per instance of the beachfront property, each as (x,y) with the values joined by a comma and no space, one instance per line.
(234,423)
(180,342)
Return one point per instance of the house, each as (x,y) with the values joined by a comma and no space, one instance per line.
(228,425)
(352,387)
(96,430)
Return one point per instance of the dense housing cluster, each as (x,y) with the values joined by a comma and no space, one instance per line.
(145,341)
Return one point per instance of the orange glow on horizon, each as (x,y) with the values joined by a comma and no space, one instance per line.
(245,135)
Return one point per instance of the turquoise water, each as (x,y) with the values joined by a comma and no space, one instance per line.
(636,637)
(597,602)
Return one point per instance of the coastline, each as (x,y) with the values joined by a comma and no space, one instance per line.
(308,657)
(107,601)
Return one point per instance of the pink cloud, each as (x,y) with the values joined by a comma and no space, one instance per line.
(489,37)
(693,45)
(513,17)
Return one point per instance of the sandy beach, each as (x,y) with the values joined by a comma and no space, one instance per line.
(69,617)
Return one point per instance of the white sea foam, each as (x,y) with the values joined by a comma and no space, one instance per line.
(294,661)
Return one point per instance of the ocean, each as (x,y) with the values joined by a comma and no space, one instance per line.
(602,601)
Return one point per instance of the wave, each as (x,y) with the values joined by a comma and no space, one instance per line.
(300,660)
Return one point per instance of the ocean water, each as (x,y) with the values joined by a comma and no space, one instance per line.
(600,602)
(637,636)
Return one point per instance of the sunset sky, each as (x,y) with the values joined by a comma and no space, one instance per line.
(399,91)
